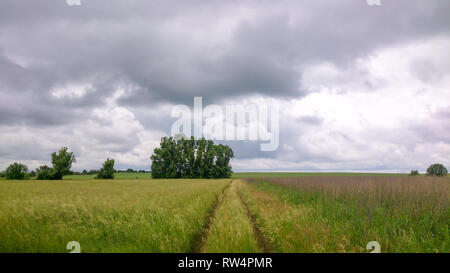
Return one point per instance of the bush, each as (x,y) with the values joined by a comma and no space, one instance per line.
(45,173)
(17,171)
(2,174)
(107,172)
(414,173)
(437,170)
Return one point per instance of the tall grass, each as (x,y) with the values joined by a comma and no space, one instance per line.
(404,214)
(104,216)
(231,230)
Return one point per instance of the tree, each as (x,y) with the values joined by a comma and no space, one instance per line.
(437,170)
(191,158)
(17,171)
(45,173)
(107,172)
(62,162)
(414,173)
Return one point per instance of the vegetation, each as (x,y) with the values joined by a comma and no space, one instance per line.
(342,214)
(62,162)
(191,158)
(437,170)
(17,171)
(119,216)
(45,173)
(107,172)
(117,175)
(414,173)
(231,229)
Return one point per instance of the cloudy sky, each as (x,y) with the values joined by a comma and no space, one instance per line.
(359,87)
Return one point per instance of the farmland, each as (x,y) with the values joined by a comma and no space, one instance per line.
(278,213)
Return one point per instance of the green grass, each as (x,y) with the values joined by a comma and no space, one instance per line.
(231,230)
(342,214)
(310,213)
(104,216)
(239,175)
(116,176)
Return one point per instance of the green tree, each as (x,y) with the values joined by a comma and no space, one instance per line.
(437,170)
(414,173)
(191,158)
(45,173)
(107,172)
(17,171)
(62,162)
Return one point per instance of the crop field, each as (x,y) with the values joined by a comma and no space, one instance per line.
(105,216)
(284,214)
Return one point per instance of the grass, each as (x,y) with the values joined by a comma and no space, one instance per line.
(231,230)
(342,214)
(240,175)
(327,213)
(116,176)
(237,175)
(104,216)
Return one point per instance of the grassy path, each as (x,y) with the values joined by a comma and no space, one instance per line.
(231,229)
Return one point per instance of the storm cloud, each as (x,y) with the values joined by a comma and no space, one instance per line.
(102,77)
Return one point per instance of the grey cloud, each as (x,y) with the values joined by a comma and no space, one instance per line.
(262,56)
(166,52)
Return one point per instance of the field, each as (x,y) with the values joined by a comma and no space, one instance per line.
(266,213)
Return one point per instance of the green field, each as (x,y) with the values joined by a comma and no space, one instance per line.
(294,213)
(116,176)
(239,175)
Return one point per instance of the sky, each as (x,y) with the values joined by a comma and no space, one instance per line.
(360,88)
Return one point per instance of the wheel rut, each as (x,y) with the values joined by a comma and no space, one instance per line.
(200,239)
(262,242)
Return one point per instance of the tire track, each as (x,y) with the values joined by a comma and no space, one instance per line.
(260,239)
(201,237)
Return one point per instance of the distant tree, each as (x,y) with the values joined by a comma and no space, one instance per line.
(2,174)
(191,158)
(130,171)
(17,171)
(62,162)
(437,170)
(414,173)
(107,172)
(32,174)
(45,173)
(84,172)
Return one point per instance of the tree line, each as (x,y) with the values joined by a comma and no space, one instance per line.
(61,163)
(191,158)
(176,158)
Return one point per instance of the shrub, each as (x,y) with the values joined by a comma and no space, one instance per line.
(45,173)
(107,172)
(437,170)
(17,171)
(414,173)
(2,174)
